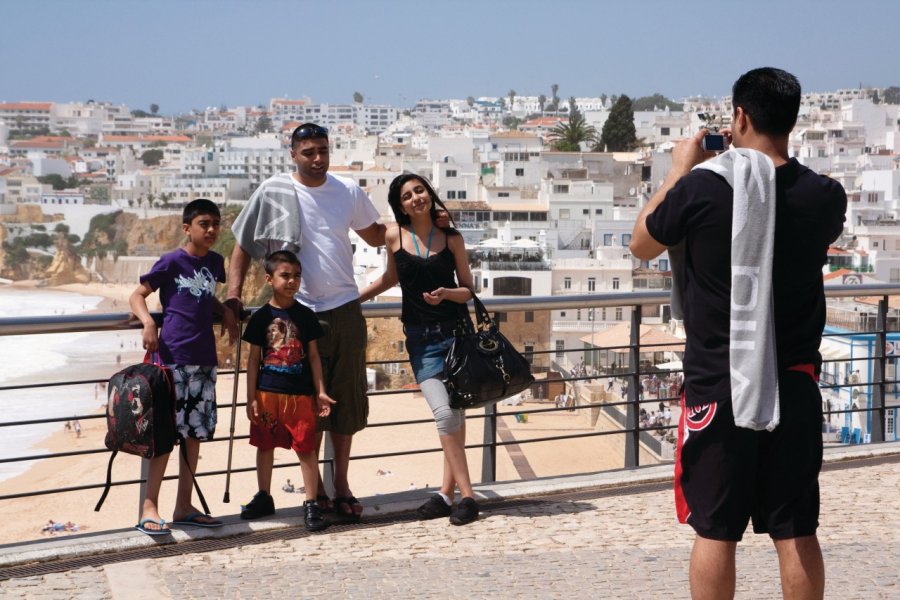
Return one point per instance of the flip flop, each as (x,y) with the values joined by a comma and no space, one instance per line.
(162,523)
(194,520)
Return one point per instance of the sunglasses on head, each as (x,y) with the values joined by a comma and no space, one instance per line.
(304,132)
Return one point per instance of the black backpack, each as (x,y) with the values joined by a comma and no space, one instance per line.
(140,416)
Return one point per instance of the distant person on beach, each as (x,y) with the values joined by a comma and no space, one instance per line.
(285,388)
(430,263)
(76,425)
(186,279)
(748,232)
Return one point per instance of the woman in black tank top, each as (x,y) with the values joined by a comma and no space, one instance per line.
(431,265)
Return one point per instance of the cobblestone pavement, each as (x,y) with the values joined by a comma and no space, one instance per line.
(613,546)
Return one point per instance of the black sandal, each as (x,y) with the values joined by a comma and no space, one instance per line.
(351,502)
(324,502)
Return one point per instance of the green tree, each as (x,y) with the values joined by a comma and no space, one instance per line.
(154,108)
(655,101)
(542,102)
(891,95)
(54,179)
(554,99)
(152,157)
(264,123)
(358,98)
(470,101)
(618,133)
(567,137)
(140,114)
(512,99)
(511,122)
(573,105)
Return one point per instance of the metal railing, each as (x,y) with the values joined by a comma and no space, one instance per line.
(625,412)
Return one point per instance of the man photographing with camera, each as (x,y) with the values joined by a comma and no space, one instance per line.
(749,229)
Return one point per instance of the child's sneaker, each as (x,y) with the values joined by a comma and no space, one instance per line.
(466,512)
(262,505)
(312,516)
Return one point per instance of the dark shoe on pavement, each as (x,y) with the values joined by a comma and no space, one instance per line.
(312,516)
(466,512)
(434,508)
(262,505)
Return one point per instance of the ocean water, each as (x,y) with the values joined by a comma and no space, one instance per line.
(31,359)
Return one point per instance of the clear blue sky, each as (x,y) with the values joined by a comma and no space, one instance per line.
(196,53)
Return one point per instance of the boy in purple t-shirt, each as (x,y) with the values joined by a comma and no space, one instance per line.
(186,280)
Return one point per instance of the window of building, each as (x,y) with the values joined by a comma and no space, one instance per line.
(528,352)
(400,345)
(451,195)
(663,131)
(560,348)
(512,286)
(626,239)
(529,316)
(503,194)
(564,213)
(363,183)
(619,313)
(592,284)
(561,189)
(602,314)
(598,211)
(615,283)
(520,172)
(461,194)
(451,172)
(585,211)
(567,283)
(607,239)
(500,317)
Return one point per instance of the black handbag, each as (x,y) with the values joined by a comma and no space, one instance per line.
(482,367)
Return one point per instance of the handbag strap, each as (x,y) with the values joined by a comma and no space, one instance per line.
(481,314)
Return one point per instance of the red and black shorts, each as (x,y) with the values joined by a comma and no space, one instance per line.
(727,475)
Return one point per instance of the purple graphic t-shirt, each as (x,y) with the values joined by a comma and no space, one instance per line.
(187,287)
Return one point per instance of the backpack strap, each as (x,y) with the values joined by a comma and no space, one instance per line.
(184,457)
(108,481)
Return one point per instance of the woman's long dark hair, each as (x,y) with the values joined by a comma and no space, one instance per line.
(436,203)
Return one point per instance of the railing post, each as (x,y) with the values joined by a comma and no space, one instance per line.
(877,412)
(489,451)
(328,466)
(633,438)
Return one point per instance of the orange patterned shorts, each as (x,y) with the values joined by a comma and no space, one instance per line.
(285,421)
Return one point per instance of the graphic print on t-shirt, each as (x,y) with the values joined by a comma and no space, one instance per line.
(284,349)
(202,283)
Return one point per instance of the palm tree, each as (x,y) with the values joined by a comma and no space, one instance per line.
(567,137)
(554,99)
(512,99)
(542,101)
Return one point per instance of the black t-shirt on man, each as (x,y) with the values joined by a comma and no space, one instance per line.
(809,216)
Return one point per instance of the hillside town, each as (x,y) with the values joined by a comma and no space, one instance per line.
(545,191)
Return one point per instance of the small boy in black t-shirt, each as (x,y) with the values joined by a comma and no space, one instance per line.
(285,389)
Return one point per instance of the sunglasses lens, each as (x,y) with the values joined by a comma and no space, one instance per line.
(308,131)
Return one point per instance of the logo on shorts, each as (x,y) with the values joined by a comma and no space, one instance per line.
(698,417)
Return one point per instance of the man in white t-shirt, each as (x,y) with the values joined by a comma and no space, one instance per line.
(311,213)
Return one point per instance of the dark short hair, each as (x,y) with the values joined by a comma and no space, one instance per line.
(308,131)
(770,97)
(279,257)
(394,199)
(200,206)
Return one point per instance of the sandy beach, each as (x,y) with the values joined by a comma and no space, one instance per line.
(368,476)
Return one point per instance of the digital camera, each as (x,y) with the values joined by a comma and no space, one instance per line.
(713,141)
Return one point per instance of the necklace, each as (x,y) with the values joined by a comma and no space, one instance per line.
(416,242)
